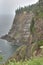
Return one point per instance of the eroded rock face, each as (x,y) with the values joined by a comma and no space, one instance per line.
(38,32)
(20,30)
(20,33)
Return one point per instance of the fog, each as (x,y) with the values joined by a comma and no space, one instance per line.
(9,6)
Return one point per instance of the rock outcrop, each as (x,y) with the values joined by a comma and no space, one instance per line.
(27,31)
(20,31)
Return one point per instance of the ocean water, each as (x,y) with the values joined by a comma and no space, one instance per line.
(6,49)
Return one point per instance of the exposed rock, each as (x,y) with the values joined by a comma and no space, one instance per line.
(38,32)
(27,32)
(20,31)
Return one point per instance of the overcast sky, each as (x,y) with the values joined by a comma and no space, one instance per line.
(9,6)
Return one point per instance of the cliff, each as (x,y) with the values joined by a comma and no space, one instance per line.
(20,31)
(27,31)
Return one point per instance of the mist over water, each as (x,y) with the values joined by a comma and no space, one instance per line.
(6,49)
(6,22)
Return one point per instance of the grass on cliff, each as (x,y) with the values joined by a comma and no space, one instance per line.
(35,61)
(1,57)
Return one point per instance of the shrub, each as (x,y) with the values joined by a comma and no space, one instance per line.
(33,61)
(40,43)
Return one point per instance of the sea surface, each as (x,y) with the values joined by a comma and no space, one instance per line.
(6,49)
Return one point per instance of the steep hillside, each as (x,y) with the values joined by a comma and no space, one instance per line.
(27,31)
(20,30)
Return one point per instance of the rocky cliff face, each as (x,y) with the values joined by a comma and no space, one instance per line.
(38,32)
(20,31)
(27,30)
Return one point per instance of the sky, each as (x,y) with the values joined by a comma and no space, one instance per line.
(7,12)
(9,6)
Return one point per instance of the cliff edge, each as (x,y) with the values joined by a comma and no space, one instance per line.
(27,31)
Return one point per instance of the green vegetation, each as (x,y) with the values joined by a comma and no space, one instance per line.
(1,57)
(40,43)
(39,13)
(33,61)
(37,45)
(32,26)
(26,8)
(23,52)
(20,53)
